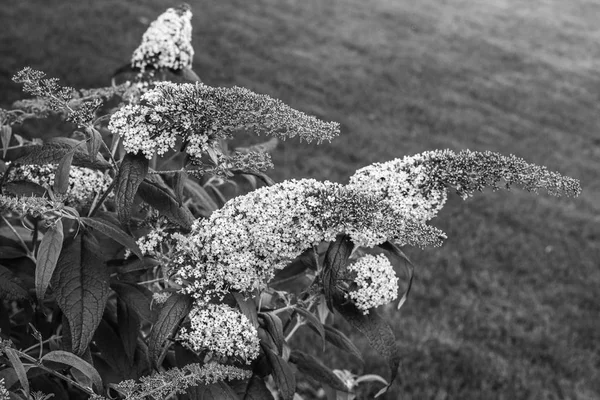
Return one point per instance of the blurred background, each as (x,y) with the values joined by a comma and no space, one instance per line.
(509,307)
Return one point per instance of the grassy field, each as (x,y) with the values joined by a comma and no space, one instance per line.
(509,307)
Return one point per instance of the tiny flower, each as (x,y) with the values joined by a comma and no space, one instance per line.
(223,331)
(167,43)
(376,282)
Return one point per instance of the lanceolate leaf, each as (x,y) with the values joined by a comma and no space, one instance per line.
(342,341)
(410,268)
(257,390)
(131,174)
(137,297)
(166,204)
(61,176)
(72,360)
(80,282)
(273,325)
(312,367)
(200,195)
(53,151)
(336,259)
(376,329)
(115,233)
(313,322)
(129,326)
(173,311)
(13,357)
(283,374)
(247,307)
(216,391)
(47,258)
(11,287)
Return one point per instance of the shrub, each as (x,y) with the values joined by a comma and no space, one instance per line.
(143,258)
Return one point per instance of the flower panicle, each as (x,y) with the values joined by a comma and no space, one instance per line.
(177,380)
(167,43)
(200,116)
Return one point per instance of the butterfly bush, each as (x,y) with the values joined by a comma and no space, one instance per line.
(240,246)
(84,183)
(167,43)
(223,331)
(417,185)
(376,281)
(201,115)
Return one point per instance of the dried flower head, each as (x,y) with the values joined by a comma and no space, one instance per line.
(201,115)
(84,183)
(240,246)
(167,43)
(417,185)
(376,282)
(223,331)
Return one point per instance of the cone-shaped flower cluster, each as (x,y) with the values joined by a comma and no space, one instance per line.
(417,185)
(201,115)
(241,245)
(167,43)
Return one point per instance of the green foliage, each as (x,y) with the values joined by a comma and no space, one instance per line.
(132,328)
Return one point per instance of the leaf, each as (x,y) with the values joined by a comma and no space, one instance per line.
(200,195)
(216,391)
(55,149)
(112,350)
(80,282)
(378,332)
(129,327)
(312,367)
(131,174)
(336,258)
(13,356)
(76,362)
(341,341)
(247,307)
(283,375)
(5,134)
(61,176)
(410,268)
(179,184)
(257,390)
(137,297)
(94,142)
(273,325)
(137,265)
(24,188)
(313,322)
(47,257)
(115,233)
(166,204)
(11,287)
(173,311)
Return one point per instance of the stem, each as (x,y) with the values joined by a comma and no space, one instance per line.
(294,329)
(21,241)
(38,364)
(104,196)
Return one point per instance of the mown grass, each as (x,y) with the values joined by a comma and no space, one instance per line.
(508,308)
